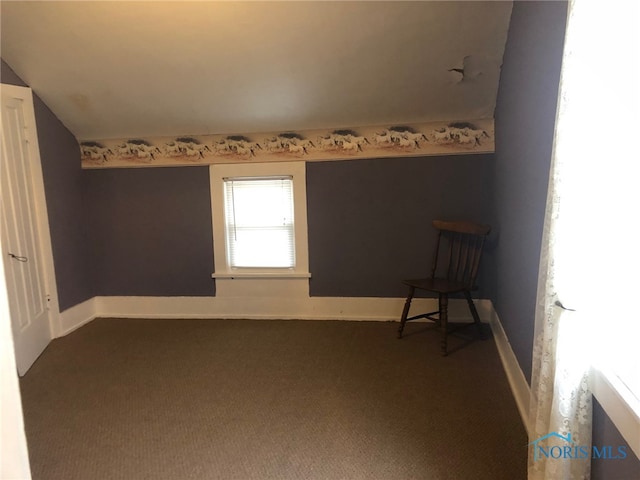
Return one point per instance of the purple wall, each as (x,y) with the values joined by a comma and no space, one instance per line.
(370,220)
(369,224)
(60,157)
(525,119)
(8,76)
(150,231)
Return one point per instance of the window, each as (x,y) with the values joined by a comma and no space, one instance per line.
(259,221)
(599,181)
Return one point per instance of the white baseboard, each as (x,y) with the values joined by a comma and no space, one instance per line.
(75,317)
(517,381)
(305,308)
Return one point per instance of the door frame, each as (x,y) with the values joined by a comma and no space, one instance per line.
(40,202)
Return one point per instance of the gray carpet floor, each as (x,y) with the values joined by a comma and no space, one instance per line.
(242,399)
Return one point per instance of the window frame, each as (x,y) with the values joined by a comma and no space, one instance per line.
(619,403)
(295,170)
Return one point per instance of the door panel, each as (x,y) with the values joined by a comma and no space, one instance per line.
(22,246)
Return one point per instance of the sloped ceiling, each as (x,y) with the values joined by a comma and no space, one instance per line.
(127,69)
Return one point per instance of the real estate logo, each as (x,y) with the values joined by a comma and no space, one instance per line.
(569,449)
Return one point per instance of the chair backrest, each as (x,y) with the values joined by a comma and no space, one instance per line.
(458,251)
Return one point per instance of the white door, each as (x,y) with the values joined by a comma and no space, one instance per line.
(24,254)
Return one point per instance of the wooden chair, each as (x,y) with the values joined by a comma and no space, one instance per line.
(455,267)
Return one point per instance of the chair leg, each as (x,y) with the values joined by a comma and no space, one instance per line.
(405,311)
(443,302)
(474,314)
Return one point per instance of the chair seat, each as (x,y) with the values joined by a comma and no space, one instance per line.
(438,285)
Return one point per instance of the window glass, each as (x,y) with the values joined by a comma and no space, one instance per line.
(259,222)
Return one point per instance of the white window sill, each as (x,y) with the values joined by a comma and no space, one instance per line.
(620,404)
(252,274)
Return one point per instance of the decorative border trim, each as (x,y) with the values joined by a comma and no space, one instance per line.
(435,138)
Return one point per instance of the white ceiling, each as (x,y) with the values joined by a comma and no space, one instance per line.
(131,69)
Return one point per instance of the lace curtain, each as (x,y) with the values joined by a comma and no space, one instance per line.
(593,192)
(560,413)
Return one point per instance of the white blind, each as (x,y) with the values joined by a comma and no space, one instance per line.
(259,222)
